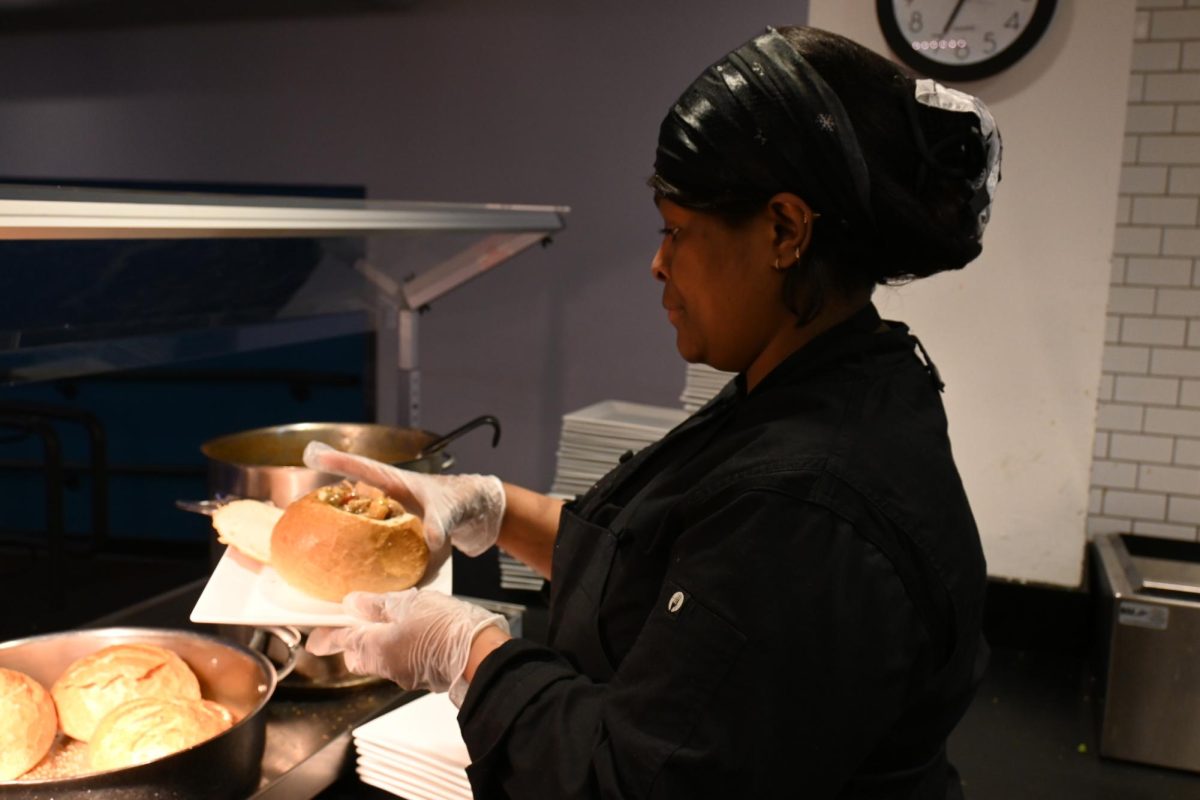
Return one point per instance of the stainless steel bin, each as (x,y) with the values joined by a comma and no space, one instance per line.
(1150,659)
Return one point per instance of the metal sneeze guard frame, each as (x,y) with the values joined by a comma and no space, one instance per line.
(42,213)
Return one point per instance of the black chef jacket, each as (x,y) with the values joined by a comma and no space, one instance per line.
(782,598)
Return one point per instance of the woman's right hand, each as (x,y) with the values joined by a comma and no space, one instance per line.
(465,510)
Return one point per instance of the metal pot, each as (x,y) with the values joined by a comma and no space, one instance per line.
(228,765)
(268,463)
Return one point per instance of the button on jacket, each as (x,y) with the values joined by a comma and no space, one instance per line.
(782,598)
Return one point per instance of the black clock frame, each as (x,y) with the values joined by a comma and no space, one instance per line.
(903,49)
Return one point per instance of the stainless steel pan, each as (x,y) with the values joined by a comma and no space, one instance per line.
(226,766)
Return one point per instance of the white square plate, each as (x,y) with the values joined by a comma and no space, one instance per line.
(638,418)
(409,790)
(241,591)
(401,766)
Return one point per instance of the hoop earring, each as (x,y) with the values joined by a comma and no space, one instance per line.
(777,266)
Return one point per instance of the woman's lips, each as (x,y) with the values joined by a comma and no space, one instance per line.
(674,308)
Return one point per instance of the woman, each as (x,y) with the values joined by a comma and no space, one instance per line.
(783,596)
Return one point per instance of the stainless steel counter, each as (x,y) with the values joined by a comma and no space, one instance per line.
(309,744)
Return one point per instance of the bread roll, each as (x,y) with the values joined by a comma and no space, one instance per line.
(152,727)
(98,683)
(328,543)
(28,723)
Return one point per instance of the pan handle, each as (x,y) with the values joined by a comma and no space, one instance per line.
(206,507)
(288,636)
(438,444)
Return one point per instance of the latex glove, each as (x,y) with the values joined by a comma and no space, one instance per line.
(419,638)
(466,509)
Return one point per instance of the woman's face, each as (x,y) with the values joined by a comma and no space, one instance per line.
(720,291)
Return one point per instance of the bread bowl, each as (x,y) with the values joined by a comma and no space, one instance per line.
(28,723)
(99,682)
(344,538)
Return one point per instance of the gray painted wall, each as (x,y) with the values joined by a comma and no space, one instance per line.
(529,101)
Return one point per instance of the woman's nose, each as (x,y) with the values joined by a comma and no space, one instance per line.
(657,268)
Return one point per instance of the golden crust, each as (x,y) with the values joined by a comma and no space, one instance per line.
(152,727)
(326,552)
(28,723)
(98,683)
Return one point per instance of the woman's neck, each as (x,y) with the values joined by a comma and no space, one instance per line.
(792,337)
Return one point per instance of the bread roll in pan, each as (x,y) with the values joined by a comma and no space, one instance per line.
(226,766)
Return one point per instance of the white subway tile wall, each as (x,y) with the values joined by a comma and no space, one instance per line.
(1156,56)
(1112,329)
(1107,385)
(1159,271)
(1183,180)
(1126,359)
(1114,475)
(1146,459)
(1145,330)
(1132,389)
(1130,299)
(1135,505)
(1141,25)
(1124,210)
(1186,532)
(1140,448)
(1143,180)
(1174,24)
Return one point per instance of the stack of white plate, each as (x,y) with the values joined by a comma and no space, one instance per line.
(515,575)
(700,384)
(594,438)
(416,751)
(592,442)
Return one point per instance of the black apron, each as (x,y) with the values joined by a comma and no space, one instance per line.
(589,533)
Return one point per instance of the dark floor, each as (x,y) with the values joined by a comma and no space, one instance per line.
(1031,733)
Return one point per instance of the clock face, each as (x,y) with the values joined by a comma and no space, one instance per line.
(962,39)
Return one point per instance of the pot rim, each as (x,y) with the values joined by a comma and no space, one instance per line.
(212,447)
(311,425)
(269,675)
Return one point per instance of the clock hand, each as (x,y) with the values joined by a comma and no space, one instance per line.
(953,16)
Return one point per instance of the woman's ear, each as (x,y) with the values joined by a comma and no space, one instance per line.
(792,219)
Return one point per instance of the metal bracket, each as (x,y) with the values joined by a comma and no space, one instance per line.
(397,377)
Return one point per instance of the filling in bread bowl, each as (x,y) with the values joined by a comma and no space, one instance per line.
(361,499)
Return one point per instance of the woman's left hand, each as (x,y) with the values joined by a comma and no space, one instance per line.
(466,510)
(419,638)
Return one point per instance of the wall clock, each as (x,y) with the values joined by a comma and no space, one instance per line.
(963,40)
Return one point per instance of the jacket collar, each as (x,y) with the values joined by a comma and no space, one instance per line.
(862,332)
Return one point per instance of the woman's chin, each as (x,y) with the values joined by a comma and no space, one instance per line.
(688,350)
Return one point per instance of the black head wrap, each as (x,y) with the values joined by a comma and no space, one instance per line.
(761,121)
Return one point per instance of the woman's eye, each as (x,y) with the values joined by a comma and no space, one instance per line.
(669,232)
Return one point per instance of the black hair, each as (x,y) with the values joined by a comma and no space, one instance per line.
(920,161)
